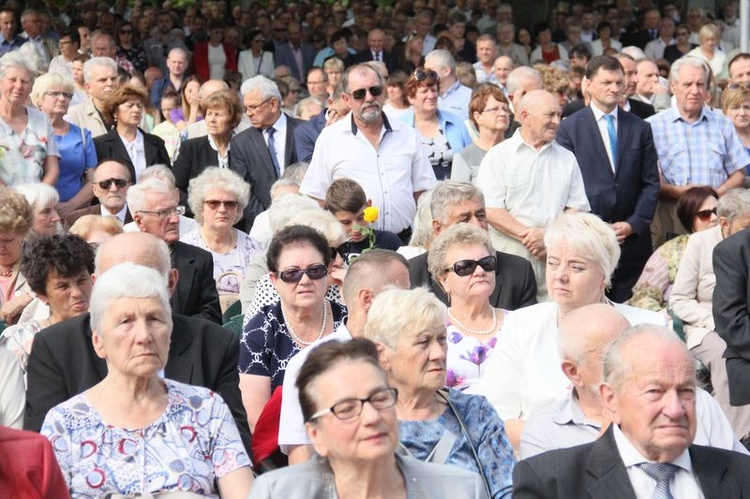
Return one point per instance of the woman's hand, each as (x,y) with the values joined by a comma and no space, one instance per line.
(11,310)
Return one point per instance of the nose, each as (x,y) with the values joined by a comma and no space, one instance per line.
(141,331)
(369,414)
(54,215)
(438,351)
(674,405)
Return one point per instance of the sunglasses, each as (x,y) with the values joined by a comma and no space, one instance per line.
(360,93)
(463,268)
(705,215)
(215,203)
(294,275)
(424,74)
(106,184)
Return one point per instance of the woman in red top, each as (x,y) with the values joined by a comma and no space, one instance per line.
(212,58)
(546,50)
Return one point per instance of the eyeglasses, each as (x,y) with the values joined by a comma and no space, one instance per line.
(214,204)
(252,109)
(503,110)
(463,268)
(58,94)
(360,93)
(705,215)
(342,250)
(380,400)
(294,275)
(106,184)
(166,212)
(424,74)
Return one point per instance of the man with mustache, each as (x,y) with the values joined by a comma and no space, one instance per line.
(385,157)
(649,392)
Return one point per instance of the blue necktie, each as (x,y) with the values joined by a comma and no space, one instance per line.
(612,138)
(663,474)
(272,150)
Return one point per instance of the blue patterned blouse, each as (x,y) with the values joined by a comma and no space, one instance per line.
(486,430)
(192,444)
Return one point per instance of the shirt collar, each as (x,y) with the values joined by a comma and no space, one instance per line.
(599,114)
(632,457)
(453,88)
(676,116)
(518,142)
(386,123)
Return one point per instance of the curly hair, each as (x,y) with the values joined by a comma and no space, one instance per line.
(66,254)
(16,214)
(122,95)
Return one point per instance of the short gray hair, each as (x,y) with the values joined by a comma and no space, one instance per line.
(322,221)
(98,33)
(296,171)
(361,68)
(126,280)
(47,81)
(262,84)
(39,195)
(97,62)
(136,196)
(283,182)
(442,59)
(589,237)
(398,313)
(449,193)
(159,172)
(370,270)
(285,207)
(733,203)
(456,235)
(217,178)
(520,74)
(16,60)
(693,62)
(422,234)
(159,250)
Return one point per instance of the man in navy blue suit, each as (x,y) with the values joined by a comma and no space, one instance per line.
(615,151)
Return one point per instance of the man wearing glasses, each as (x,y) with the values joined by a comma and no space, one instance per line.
(385,157)
(110,186)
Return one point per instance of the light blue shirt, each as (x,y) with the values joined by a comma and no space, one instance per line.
(456,100)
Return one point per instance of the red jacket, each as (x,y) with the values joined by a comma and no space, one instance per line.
(200,59)
(29,467)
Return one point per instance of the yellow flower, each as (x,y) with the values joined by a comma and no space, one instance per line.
(371,214)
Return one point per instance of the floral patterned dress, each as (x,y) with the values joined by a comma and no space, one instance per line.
(22,155)
(466,358)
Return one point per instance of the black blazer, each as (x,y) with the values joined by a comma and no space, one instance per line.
(731,308)
(94,209)
(110,146)
(515,284)
(596,470)
(366,55)
(195,156)
(252,161)
(638,108)
(196,293)
(63,364)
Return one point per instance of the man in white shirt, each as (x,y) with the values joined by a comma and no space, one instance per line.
(528,181)
(654,49)
(385,157)
(649,391)
(486,55)
(453,97)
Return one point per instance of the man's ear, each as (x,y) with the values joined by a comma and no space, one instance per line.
(607,394)
(437,227)
(365,297)
(172,278)
(570,369)
(138,221)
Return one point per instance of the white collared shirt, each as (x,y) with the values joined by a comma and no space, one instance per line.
(120,214)
(136,152)
(279,142)
(223,160)
(683,484)
(601,122)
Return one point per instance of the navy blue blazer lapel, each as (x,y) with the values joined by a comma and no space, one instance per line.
(624,131)
(289,153)
(710,473)
(264,155)
(609,477)
(598,147)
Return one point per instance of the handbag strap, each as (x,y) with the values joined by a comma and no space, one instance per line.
(440,452)
(444,393)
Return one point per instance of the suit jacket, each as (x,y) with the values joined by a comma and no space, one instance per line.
(195,156)
(638,108)
(196,293)
(30,469)
(85,115)
(596,470)
(110,146)
(63,364)
(637,38)
(731,309)
(306,134)
(366,55)
(200,59)
(515,284)
(252,161)
(284,56)
(94,209)
(314,479)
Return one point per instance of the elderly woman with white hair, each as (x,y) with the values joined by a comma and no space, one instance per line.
(135,432)
(217,197)
(436,424)
(43,200)
(523,374)
(28,152)
(52,93)
(692,298)
(709,37)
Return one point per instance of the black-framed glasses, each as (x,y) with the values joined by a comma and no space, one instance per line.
(252,109)
(106,184)
(421,74)
(360,93)
(705,215)
(293,275)
(343,250)
(467,267)
(215,203)
(381,399)
(166,212)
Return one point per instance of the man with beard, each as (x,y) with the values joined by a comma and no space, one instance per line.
(385,157)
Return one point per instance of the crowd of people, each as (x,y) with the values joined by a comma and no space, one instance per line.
(365,249)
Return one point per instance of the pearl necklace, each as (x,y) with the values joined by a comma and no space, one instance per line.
(6,273)
(479,332)
(299,340)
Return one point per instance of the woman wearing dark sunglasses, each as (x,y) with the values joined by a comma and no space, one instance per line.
(299,259)
(462,260)
(442,133)
(217,197)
